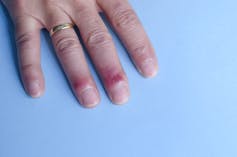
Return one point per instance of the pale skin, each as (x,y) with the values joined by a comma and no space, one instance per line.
(31,16)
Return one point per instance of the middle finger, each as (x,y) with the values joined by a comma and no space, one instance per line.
(101,48)
(70,54)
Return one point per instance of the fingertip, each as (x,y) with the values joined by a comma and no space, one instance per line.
(119,94)
(88,97)
(34,88)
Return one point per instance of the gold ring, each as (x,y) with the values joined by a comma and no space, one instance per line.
(60,27)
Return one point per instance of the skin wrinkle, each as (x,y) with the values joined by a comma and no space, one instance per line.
(23,41)
(30,16)
(125,19)
(98,38)
(66,45)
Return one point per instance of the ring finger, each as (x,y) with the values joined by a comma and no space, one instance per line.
(70,54)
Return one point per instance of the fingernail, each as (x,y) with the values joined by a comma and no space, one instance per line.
(34,88)
(120,93)
(148,68)
(89,97)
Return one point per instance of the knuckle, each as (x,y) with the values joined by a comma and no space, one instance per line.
(29,71)
(113,77)
(81,8)
(98,38)
(139,51)
(125,19)
(23,40)
(49,2)
(26,68)
(82,83)
(66,46)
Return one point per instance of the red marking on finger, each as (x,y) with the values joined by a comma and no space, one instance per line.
(112,77)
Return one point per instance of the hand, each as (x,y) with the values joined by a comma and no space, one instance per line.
(30,16)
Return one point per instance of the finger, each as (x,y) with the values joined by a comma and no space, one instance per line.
(102,51)
(70,54)
(131,32)
(28,45)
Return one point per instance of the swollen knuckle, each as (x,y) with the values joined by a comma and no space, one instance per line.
(99,38)
(66,45)
(113,78)
(82,83)
(125,19)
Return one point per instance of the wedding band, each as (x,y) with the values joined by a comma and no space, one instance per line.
(60,27)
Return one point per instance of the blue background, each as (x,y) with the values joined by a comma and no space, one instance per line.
(189,110)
